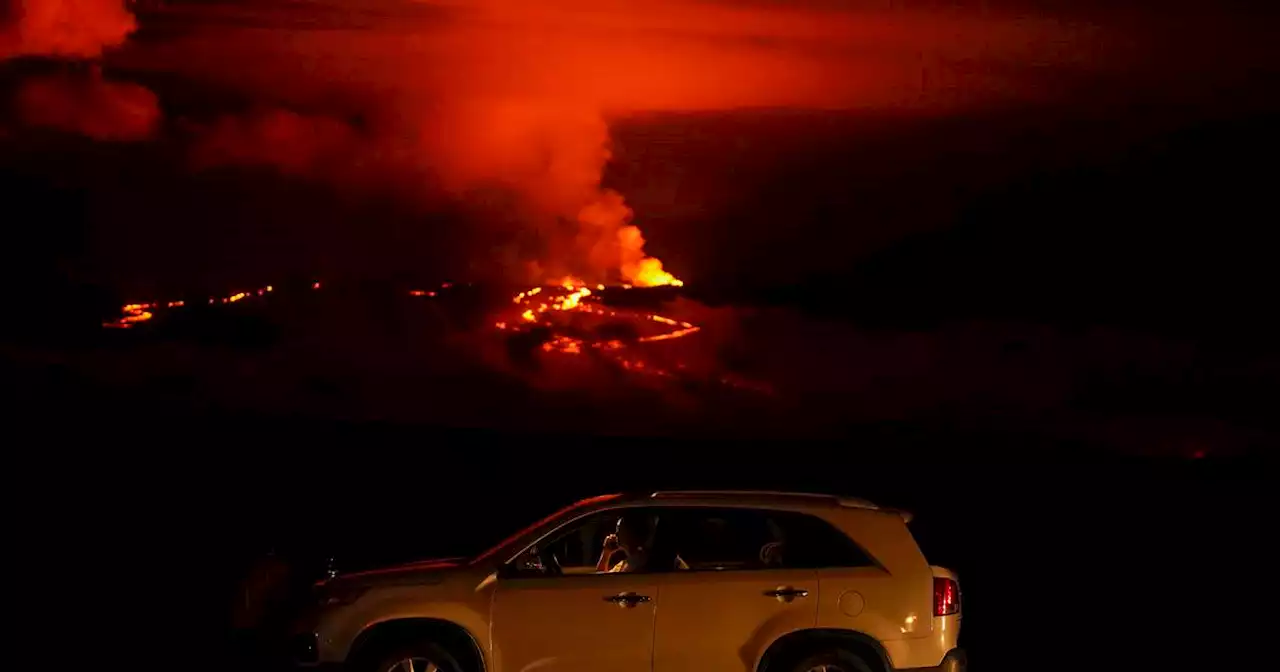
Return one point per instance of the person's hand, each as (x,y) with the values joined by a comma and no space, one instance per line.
(611,543)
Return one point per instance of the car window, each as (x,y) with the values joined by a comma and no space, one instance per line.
(720,539)
(576,547)
(813,543)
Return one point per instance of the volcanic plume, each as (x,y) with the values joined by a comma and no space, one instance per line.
(479,97)
(80,101)
(485,97)
(65,28)
(89,105)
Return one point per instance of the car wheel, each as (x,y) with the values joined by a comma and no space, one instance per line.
(424,657)
(831,660)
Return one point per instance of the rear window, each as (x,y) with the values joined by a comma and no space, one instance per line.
(721,539)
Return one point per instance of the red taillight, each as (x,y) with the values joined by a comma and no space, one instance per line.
(946,597)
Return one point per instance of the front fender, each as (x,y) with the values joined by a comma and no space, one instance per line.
(461,603)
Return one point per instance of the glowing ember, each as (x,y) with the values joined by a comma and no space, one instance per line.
(563,344)
(131,314)
(134,313)
(573,300)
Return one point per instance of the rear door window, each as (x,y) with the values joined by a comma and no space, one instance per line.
(726,539)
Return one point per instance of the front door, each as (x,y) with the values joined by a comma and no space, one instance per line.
(564,616)
(585,623)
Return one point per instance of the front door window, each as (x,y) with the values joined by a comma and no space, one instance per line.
(554,611)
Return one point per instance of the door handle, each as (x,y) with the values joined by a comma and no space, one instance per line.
(626,600)
(786,593)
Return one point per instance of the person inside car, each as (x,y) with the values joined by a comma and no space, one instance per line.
(633,536)
(629,537)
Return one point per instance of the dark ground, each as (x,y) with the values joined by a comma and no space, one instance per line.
(1068,562)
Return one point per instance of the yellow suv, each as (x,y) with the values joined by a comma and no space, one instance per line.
(666,582)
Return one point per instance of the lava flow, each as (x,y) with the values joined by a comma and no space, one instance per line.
(568,318)
(132,314)
(574,320)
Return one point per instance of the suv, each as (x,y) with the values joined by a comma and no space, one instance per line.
(750,581)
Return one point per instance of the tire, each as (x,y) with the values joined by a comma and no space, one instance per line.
(424,657)
(831,660)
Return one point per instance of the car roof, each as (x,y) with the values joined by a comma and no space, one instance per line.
(770,498)
(764,497)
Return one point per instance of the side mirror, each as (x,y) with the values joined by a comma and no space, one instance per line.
(527,564)
(531,563)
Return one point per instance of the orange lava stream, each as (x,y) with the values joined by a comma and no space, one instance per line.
(539,306)
(542,306)
(135,313)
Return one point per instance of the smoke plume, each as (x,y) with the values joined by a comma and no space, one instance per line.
(78,101)
(66,28)
(90,106)
(484,94)
(292,143)
(477,95)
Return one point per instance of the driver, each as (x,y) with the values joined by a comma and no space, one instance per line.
(629,537)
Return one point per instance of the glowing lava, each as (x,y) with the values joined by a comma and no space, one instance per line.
(134,313)
(577,321)
(648,272)
(131,314)
(572,315)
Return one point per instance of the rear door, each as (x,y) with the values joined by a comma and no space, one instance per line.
(730,593)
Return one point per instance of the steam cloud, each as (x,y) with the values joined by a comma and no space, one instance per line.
(66,28)
(517,95)
(80,103)
(289,142)
(92,106)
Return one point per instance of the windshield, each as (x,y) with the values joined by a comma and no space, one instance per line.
(511,541)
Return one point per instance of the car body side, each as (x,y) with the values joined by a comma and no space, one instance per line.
(887,603)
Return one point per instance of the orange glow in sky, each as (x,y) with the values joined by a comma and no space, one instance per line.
(519,95)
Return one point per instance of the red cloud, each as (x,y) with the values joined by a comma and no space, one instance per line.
(66,28)
(93,107)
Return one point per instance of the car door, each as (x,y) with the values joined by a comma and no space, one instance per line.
(731,595)
(573,619)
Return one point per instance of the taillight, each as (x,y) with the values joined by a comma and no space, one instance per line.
(946,597)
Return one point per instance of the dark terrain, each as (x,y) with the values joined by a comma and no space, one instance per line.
(1062,558)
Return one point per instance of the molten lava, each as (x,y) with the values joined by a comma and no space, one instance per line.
(565,318)
(135,313)
(575,321)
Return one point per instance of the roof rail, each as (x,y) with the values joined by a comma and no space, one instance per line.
(846,502)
